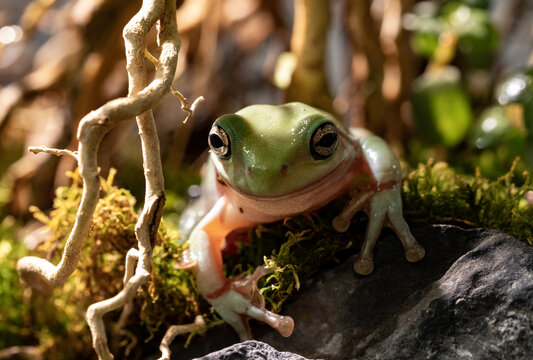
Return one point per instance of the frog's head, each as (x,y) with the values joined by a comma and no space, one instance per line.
(270,151)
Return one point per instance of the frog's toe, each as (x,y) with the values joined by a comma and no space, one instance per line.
(340,223)
(286,326)
(363,266)
(237,309)
(415,253)
(242,301)
(283,324)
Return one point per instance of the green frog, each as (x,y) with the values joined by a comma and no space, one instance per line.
(271,162)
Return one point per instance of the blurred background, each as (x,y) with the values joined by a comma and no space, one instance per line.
(442,79)
(449,80)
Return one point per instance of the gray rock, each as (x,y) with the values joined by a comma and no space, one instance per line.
(471,297)
(251,350)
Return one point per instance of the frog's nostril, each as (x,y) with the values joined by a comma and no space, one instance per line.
(249,170)
(284,170)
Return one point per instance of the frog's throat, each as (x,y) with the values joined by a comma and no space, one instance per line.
(335,175)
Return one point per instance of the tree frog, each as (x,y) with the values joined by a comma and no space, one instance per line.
(270,162)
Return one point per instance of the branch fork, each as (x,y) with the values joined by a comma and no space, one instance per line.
(143,96)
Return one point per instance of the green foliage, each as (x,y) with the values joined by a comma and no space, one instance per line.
(517,89)
(13,309)
(171,297)
(477,38)
(441,107)
(434,193)
(294,249)
(460,42)
(60,325)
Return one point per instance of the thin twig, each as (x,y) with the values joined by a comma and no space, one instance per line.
(57,152)
(176,330)
(189,110)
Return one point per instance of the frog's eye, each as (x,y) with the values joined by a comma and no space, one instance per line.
(324,141)
(219,142)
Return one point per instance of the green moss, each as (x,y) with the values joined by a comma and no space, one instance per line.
(12,320)
(171,297)
(295,249)
(435,193)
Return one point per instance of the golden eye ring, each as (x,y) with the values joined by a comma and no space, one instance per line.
(324,141)
(219,142)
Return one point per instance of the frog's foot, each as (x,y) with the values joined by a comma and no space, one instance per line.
(363,266)
(413,250)
(341,222)
(376,209)
(385,208)
(415,253)
(239,300)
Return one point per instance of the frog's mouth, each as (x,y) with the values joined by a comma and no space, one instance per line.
(328,180)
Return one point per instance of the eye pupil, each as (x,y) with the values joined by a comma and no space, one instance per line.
(324,141)
(327,140)
(219,142)
(215,141)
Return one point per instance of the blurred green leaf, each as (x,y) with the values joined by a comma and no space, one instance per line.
(441,107)
(490,128)
(478,38)
(13,308)
(425,39)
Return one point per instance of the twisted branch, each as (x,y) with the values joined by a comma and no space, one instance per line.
(176,330)
(43,275)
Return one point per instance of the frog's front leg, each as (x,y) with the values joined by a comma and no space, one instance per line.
(384,207)
(236,300)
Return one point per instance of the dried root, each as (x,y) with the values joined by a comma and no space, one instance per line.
(176,330)
(42,275)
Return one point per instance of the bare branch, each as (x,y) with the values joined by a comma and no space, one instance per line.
(183,100)
(57,152)
(43,275)
(176,330)
(148,223)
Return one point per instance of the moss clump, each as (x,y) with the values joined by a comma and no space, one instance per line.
(13,329)
(169,298)
(299,247)
(104,251)
(295,249)
(435,193)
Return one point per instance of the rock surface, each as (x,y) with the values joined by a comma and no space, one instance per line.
(471,297)
(251,350)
